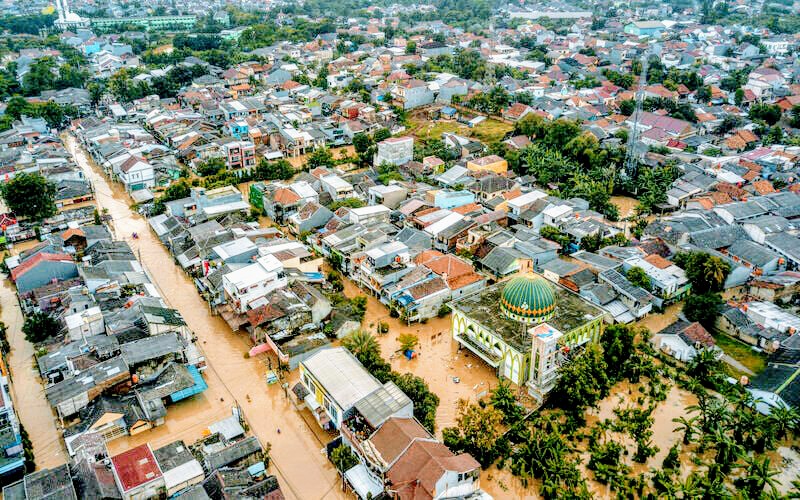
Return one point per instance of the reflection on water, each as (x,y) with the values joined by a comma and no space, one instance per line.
(302,469)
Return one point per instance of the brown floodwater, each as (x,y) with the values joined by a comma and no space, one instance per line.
(625,204)
(438,362)
(26,387)
(297,460)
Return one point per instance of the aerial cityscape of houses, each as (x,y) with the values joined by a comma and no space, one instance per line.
(408,251)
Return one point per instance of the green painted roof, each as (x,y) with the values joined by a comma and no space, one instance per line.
(528,299)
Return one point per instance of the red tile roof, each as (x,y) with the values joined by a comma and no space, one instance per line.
(35,260)
(285,196)
(136,467)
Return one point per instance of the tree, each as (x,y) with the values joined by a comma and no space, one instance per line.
(381,134)
(738,96)
(582,383)
(212,166)
(30,195)
(503,398)
(618,343)
(627,107)
(320,157)
(703,308)
(408,341)
(758,475)
(688,426)
(638,277)
(769,113)
(705,367)
(477,431)
(411,47)
(706,272)
(274,170)
(343,458)
(40,326)
(425,401)
(366,349)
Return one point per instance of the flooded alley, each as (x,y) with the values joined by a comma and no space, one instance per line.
(27,390)
(297,459)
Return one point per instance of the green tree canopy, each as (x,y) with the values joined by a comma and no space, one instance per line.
(30,196)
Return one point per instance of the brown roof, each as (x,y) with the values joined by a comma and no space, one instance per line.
(416,472)
(285,196)
(696,333)
(658,261)
(395,435)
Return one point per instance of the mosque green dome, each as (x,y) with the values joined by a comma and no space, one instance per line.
(528,299)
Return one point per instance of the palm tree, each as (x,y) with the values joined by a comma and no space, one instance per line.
(361,343)
(715,270)
(688,426)
(784,420)
(758,475)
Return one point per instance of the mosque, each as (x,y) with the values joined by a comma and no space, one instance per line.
(523,327)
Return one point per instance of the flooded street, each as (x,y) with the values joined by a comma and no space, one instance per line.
(439,363)
(26,387)
(302,469)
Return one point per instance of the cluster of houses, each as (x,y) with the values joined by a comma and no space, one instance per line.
(396,455)
(31,147)
(226,463)
(120,355)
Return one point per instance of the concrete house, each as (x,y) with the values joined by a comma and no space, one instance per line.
(137,473)
(309,217)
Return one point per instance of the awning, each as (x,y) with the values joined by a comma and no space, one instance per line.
(311,402)
(363,483)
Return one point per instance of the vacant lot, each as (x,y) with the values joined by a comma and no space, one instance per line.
(487,131)
(741,352)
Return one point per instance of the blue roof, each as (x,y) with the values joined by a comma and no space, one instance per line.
(199,386)
(447,110)
(257,469)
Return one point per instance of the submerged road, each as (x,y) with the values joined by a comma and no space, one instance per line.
(296,451)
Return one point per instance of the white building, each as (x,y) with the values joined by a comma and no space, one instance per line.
(395,151)
(244,287)
(85,323)
(338,188)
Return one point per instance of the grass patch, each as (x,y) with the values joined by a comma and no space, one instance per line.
(491,130)
(487,131)
(741,352)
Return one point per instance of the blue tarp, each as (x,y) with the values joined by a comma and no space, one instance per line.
(198,387)
(447,110)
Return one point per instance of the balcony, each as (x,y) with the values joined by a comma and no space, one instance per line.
(480,350)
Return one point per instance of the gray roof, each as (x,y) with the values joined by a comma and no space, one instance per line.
(786,244)
(153,347)
(233,453)
(499,259)
(86,380)
(382,403)
(752,253)
(717,237)
(560,267)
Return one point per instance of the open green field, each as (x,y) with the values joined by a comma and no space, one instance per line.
(741,352)
(487,131)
